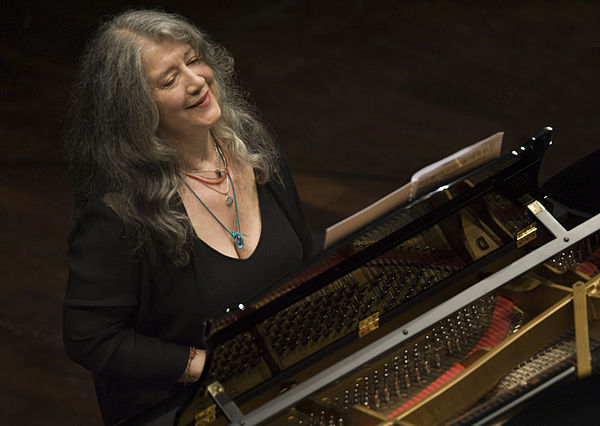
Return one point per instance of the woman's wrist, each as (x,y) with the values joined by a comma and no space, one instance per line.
(195,365)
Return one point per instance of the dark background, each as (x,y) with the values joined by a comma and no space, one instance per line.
(361,94)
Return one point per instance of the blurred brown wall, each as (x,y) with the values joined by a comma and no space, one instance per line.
(361,94)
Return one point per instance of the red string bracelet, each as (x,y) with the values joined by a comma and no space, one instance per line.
(186,375)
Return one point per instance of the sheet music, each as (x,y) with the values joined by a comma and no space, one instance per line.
(424,180)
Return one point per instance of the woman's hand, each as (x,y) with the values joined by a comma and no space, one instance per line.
(195,367)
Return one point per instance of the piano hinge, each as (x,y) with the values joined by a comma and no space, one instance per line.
(526,235)
(369,324)
(226,404)
(215,388)
(206,416)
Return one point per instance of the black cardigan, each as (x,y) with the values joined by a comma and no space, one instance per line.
(131,322)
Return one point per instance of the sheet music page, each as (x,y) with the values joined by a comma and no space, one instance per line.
(469,158)
(425,179)
(368,214)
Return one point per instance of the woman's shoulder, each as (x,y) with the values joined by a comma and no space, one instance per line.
(101,209)
(98,220)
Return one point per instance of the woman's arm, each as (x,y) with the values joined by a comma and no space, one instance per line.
(101,304)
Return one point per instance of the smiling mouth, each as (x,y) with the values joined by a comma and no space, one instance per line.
(200,102)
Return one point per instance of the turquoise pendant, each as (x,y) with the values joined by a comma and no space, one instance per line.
(237,237)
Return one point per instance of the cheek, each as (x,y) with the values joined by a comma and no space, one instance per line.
(214,87)
(166,108)
(209,76)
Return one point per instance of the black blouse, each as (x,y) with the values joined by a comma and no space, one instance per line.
(278,251)
(131,322)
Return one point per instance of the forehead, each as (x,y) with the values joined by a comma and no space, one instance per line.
(159,57)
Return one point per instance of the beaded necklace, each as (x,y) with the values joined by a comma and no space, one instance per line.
(218,170)
(222,174)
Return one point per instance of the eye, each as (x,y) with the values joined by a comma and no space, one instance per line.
(194,60)
(169,82)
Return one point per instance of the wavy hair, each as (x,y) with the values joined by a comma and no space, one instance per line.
(111,131)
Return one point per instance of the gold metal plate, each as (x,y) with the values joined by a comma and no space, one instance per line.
(526,235)
(535,207)
(215,388)
(369,324)
(206,416)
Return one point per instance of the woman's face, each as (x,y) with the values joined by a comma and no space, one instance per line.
(183,87)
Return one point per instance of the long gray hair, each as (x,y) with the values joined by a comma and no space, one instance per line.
(111,131)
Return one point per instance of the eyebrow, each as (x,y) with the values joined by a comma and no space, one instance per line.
(166,72)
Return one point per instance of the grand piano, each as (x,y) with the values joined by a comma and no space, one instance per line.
(457,307)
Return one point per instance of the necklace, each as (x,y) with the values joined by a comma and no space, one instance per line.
(228,199)
(218,171)
(210,184)
(237,236)
(221,173)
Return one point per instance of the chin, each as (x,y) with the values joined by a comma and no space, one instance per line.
(215,118)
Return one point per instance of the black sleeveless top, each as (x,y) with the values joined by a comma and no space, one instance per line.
(278,251)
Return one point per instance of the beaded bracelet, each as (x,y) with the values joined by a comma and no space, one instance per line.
(186,375)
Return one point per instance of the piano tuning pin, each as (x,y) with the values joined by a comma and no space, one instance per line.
(468,323)
(450,322)
(407,382)
(464,337)
(448,344)
(427,358)
(396,383)
(407,379)
(457,344)
(416,363)
(376,399)
(460,323)
(417,374)
(386,388)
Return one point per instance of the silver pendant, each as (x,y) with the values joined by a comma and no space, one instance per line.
(228,201)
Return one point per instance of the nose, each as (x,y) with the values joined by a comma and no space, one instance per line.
(195,83)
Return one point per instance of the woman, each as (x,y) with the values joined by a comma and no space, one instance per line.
(184,208)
